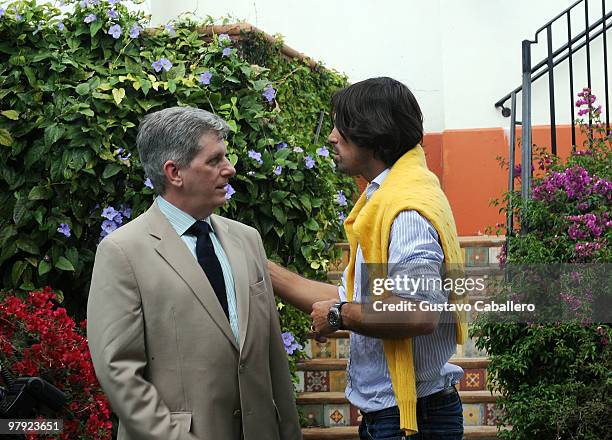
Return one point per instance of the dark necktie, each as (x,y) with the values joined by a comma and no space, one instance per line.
(207,258)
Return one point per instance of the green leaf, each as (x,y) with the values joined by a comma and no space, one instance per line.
(17,271)
(44,267)
(145,85)
(30,75)
(82,89)
(11,114)
(28,245)
(20,210)
(312,224)
(95,27)
(62,263)
(6,233)
(53,133)
(306,202)
(118,95)
(5,138)
(110,170)
(279,215)
(40,192)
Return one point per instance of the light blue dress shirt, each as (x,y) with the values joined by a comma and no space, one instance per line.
(181,222)
(413,245)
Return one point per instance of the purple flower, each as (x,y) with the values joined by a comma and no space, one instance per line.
(290,343)
(113,2)
(126,211)
(2,11)
(170,29)
(84,4)
(148,183)
(341,217)
(112,14)
(162,63)
(135,30)
(230,191)
(205,78)
(309,161)
(324,152)
(122,154)
(90,18)
(278,170)
(281,145)
(255,155)
(61,26)
(341,198)
(109,213)
(17,15)
(269,93)
(115,31)
(64,229)
(227,51)
(108,226)
(224,39)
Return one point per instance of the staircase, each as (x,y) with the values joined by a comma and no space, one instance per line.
(322,376)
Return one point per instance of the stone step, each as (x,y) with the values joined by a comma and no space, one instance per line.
(340,364)
(321,398)
(351,433)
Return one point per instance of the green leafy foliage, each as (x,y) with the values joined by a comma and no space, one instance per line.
(71,98)
(556,379)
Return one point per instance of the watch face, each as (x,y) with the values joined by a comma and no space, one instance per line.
(333,317)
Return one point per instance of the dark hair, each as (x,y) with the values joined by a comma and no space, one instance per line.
(379,114)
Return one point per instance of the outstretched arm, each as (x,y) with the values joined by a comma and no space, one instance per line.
(298,291)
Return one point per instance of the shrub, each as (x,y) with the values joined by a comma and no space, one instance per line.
(555,378)
(73,87)
(37,338)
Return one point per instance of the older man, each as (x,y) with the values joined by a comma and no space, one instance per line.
(182,322)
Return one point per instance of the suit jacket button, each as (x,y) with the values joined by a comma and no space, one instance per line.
(237,413)
(241,368)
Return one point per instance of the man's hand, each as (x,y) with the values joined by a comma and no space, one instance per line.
(319,317)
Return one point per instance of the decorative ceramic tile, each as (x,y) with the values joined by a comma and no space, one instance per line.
(473,414)
(337,414)
(316,381)
(313,414)
(337,380)
(299,386)
(477,256)
(308,349)
(491,414)
(324,350)
(494,255)
(473,380)
(343,348)
(355,416)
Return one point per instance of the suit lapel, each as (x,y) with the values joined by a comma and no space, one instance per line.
(235,254)
(177,255)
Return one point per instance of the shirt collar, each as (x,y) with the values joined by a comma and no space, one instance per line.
(376,182)
(179,219)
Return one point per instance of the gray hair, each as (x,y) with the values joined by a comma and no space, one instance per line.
(174,134)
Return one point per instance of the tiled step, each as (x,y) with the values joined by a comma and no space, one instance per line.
(350,433)
(321,398)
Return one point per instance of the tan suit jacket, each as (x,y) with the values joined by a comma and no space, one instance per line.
(163,349)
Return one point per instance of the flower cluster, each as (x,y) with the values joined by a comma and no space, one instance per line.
(37,338)
(575,182)
(588,226)
(114,218)
(290,343)
(586,103)
(162,63)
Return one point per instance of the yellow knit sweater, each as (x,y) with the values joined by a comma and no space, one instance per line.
(408,186)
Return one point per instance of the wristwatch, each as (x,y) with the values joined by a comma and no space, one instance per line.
(334,316)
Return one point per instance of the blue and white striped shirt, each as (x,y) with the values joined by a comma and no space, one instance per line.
(413,243)
(181,222)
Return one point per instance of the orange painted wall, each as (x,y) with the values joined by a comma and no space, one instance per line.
(465,162)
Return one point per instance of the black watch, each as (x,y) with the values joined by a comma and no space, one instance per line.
(334,316)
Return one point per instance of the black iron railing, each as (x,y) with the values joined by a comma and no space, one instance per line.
(531,73)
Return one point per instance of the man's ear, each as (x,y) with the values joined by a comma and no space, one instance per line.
(173,174)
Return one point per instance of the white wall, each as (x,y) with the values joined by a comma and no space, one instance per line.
(458,57)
